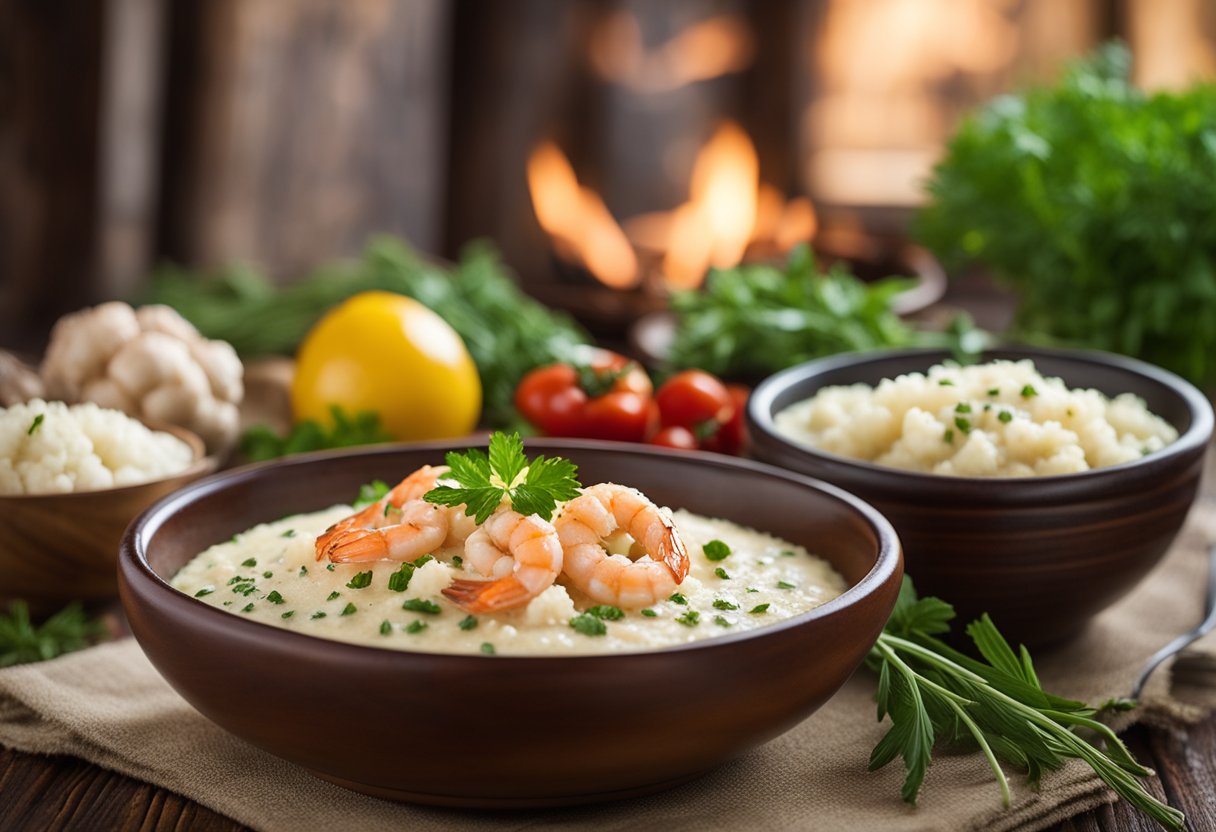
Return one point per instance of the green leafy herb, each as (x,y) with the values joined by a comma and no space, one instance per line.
(207,590)
(948,436)
(994,391)
(370,492)
(457,561)
(607,612)
(349,609)
(385,628)
(289,533)
(317,614)
(721,621)
(274,597)
(416,626)
(788,553)
(34,425)
(722,573)
(716,550)
(260,442)
(785,585)
(677,598)
(329,567)
(962,407)
(487,648)
(22,641)
(932,691)
(532,487)
(249,562)
(362,580)
(421,605)
(248,607)
(1005,416)
(399,581)
(649,613)
(303,571)
(588,625)
(962,423)
(690,618)
(1028,391)
(267,574)
(723,604)
(759,609)
(469,622)
(333,595)
(423,560)
(288,614)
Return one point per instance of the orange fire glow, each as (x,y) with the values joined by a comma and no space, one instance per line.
(709,49)
(578,220)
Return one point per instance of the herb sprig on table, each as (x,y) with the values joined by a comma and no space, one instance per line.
(933,692)
(1096,202)
(260,442)
(22,641)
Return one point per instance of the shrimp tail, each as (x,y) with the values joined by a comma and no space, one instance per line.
(356,545)
(674,556)
(487,596)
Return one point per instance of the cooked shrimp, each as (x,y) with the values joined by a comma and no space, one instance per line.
(593,517)
(522,554)
(398,526)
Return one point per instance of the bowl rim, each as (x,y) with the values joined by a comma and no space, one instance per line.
(760,414)
(132,558)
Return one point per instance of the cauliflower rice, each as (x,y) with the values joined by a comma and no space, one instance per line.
(53,448)
(1001,419)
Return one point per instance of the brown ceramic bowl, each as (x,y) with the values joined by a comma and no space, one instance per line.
(58,548)
(508,731)
(1042,555)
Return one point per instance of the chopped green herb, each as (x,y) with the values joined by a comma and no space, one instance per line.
(468,622)
(248,607)
(267,574)
(785,585)
(948,436)
(1005,416)
(994,391)
(1028,391)
(399,581)
(274,597)
(422,560)
(329,567)
(962,423)
(588,625)
(416,626)
(716,550)
(370,492)
(362,580)
(385,628)
(37,423)
(245,589)
(207,590)
(457,561)
(987,406)
(390,507)
(288,533)
(227,603)
(788,553)
(758,609)
(607,612)
(1070,412)
(316,615)
(721,621)
(349,609)
(303,571)
(236,579)
(333,595)
(484,480)
(487,648)
(721,573)
(690,618)
(288,614)
(677,598)
(752,589)
(420,605)
(249,562)
(723,604)
(945,382)
(649,613)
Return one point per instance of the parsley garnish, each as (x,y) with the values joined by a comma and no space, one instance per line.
(948,436)
(758,609)
(249,562)
(721,621)
(362,580)
(721,573)
(288,533)
(333,595)
(316,615)
(677,598)
(419,605)
(274,597)
(1005,416)
(468,622)
(716,550)
(649,613)
(349,609)
(288,614)
(788,553)
(329,567)
(248,607)
(37,423)
(423,560)
(457,561)
(945,382)
(207,590)
(994,391)
(416,626)
(399,581)
(303,571)
(1028,392)
(483,481)
(723,604)
(962,407)
(962,424)
(588,625)
(691,618)
(267,574)
(385,628)
(785,585)
(607,612)
(487,648)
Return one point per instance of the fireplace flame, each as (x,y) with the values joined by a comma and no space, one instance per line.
(578,220)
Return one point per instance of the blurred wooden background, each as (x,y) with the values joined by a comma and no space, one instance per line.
(284,132)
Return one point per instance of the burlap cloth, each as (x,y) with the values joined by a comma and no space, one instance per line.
(109,706)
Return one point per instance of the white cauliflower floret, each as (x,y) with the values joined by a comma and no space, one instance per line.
(152,364)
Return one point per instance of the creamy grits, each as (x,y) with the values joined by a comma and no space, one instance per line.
(270,574)
(1000,419)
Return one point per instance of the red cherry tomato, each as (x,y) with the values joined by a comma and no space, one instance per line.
(695,400)
(731,437)
(675,437)
(610,399)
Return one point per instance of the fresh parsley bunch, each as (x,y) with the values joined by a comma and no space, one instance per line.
(1096,202)
(482,481)
(22,641)
(933,692)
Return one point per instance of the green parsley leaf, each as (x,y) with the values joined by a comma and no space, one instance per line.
(468,622)
(385,628)
(788,553)
(1028,392)
(329,567)
(416,626)
(691,618)
(267,574)
(962,424)
(758,609)
(607,612)
(317,614)
(716,550)
(207,590)
(785,585)
(677,598)
(303,571)
(457,561)
(349,609)
(362,580)
(37,423)
(723,604)
(962,407)
(399,581)
(333,595)
(994,391)
(722,622)
(721,573)
(422,560)
(948,436)
(420,605)
(945,382)
(370,492)
(1005,416)
(649,613)
(248,607)
(487,648)
(288,614)
(274,597)
(483,481)
(249,562)
(588,625)
(288,533)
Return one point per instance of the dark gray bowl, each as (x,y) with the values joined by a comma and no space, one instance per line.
(1042,555)
(508,731)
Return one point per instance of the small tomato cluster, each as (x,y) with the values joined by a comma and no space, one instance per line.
(612,397)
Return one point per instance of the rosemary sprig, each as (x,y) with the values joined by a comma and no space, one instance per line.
(932,691)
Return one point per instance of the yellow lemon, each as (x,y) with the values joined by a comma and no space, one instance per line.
(389,354)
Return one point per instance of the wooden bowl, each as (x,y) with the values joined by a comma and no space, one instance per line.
(508,731)
(58,548)
(1042,555)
